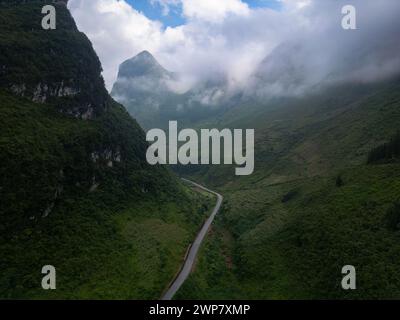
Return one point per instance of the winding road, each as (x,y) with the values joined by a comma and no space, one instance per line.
(194,249)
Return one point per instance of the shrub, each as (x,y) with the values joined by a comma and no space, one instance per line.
(393,217)
(339,181)
(387,152)
(289,196)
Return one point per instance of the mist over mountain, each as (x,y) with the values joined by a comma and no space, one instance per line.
(290,51)
(142,80)
(144,64)
(324,54)
(309,53)
(153,94)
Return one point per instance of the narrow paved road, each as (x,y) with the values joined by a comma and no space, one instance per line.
(191,257)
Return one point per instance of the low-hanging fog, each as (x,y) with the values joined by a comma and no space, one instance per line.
(256,50)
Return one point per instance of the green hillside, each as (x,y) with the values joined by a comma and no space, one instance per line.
(76,191)
(313,204)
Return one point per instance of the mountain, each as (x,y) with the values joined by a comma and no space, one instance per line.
(76,191)
(315,203)
(142,76)
(153,94)
(143,85)
(144,65)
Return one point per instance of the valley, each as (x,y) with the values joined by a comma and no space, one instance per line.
(314,202)
(196,151)
(191,255)
(287,230)
(91,183)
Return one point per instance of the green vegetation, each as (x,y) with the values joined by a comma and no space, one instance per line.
(393,217)
(129,251)
(312,205)
(339,181)
(39,63)
(76,191)
(213,276)
(296,249)
(79,194)
(387,152)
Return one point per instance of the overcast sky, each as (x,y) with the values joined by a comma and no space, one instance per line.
(201,38)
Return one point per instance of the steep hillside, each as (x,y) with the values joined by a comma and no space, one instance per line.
(311,135)
(313,204)
(76,191)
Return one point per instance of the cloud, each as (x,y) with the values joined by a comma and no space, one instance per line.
(119,32)
(300,46)
(166,5)
(116,30)
(208,10)
(214,11)
(323,53)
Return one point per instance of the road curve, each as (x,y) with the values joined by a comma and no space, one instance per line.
(194,249)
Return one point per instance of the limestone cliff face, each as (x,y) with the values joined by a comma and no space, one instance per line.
(50,66)
(61,134)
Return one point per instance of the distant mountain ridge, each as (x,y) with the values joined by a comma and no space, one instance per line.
(147,89)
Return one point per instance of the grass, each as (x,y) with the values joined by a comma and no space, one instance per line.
(104,227)
(130,253)
(212,276)
(293,226)
(285,232)
(296,250)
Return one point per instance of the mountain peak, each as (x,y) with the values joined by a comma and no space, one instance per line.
(143,64)
(145,54)
(144,57)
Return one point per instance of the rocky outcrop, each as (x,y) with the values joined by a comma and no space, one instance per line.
(66,74)
(107,156)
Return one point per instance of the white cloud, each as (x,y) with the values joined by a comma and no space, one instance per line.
(295,4)
(212,10)
(208,10)
(226,38)
(116,30)
(166,5)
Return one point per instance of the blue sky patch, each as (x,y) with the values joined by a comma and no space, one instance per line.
(175,18)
